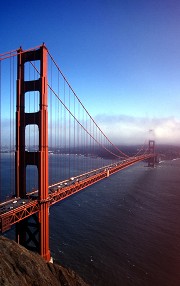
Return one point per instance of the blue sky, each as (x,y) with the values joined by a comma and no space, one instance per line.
(122,57)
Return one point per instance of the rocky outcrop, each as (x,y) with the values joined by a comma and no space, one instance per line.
(21,267)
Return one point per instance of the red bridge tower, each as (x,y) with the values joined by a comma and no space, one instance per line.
(33,232)
(151,161)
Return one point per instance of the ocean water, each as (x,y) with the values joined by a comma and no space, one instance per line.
(124,230)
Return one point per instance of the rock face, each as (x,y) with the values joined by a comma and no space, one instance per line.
(21,267)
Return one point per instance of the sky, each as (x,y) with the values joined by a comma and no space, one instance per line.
(122,58)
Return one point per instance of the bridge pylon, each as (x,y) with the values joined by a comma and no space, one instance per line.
(33,232)
(151,160)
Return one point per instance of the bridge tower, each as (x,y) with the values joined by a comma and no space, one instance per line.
(151,161)
(33,232)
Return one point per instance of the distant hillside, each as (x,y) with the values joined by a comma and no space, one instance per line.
(20,267)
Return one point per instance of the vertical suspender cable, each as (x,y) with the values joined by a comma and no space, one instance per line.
(0,138)
(13,133)
(56,131)
(36,107)
(61,135)
(10,111)
(69,157)
(65,161)
(55,135)
(59,123)
(51,126)
(74,127)
(77,140)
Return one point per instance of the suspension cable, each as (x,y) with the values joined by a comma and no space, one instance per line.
(0,131)
(85,129)
(14,53)
(99,143)
(85,108)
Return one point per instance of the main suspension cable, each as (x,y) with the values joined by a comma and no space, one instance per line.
(125,155)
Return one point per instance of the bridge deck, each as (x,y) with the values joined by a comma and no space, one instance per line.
(18,209)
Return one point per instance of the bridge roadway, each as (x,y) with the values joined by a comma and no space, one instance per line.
(17,209)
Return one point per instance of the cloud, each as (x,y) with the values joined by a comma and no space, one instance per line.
(122,129)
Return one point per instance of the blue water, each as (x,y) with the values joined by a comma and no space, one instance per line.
(123,230)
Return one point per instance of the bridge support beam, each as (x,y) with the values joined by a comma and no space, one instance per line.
(38,239)
(151,161)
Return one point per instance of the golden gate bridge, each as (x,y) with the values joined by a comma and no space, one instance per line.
(41,116)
